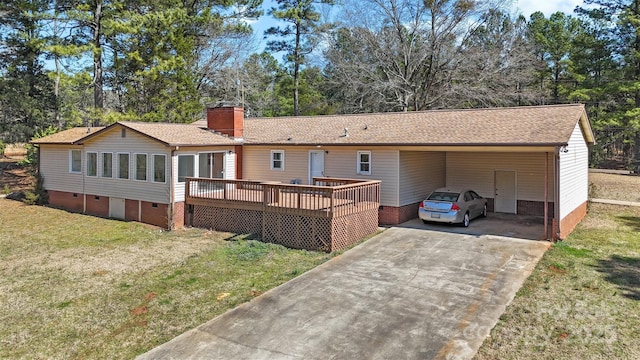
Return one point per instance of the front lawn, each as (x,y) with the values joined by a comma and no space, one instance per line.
(582,300)
(76,286)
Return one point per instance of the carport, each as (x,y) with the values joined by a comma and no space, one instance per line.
(518,181)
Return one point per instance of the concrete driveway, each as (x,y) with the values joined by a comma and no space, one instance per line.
(508,225)
(404,294)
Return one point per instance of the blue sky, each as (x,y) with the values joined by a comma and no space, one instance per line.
(548,7)
(526,7)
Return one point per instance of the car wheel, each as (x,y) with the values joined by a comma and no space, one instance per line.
(424,221)
(484,211)
(465,220)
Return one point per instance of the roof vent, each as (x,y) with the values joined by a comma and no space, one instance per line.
(346,133)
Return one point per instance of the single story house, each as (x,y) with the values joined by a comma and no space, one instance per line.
(524,160)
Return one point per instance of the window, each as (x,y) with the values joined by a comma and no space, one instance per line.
(364,162)
(141,167)
(277,160)
(186,167)
(75,161)
(92,164)
(159,168)
(107,165)
(123,166)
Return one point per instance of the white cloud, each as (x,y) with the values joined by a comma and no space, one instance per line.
(528,7)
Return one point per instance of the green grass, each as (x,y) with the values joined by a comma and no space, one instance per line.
(583,299)
(75,286)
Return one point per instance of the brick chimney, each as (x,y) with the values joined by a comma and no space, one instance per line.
(226,120)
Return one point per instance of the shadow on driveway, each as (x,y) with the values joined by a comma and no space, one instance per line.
(507,225)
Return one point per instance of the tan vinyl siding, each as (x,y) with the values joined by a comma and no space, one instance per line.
(574,173)
(421,173)
(133,143)
(476,171)
(54,167)
(256,164)
(340,162)
(229,170)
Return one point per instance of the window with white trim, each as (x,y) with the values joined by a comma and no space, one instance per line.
(159,168)
(123,166)
(277,160)
(92,164)
(75,161)
(186,167)
(364,163)
(107,165)
(141,167)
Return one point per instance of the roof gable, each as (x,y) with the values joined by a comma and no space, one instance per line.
(69,136)
(169,134)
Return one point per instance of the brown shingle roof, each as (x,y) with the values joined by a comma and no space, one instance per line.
(179,134)
(531,125)
(67,136)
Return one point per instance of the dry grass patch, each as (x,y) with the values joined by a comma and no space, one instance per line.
(583,299)
(615,186)
(75,286)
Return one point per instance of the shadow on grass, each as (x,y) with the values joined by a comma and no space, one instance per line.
(631,221)
(623,272)
(237,237)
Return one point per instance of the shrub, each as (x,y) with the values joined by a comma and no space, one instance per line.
(38,195)
(32,150)
(2,147)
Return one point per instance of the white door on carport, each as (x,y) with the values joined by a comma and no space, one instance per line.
(505,194)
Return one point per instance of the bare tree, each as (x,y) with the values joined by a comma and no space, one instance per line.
(497,65)
(407,51)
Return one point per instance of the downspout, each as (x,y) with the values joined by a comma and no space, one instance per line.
(172,204)
(546,195)
(83,171)
(556,193)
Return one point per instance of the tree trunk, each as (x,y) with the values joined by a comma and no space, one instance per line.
(98,92)
(56,80)
(296,72)
(636,138)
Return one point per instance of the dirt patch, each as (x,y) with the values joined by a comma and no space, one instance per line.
(614,186)
(14,177)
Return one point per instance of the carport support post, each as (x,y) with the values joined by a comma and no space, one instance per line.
(546,195)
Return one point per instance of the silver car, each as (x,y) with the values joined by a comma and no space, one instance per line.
(452,206)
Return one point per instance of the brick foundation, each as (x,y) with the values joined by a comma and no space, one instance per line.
(97,205)
(391,215)
(569,222)
(155,215)
(68,201)
(131,210)
(534,208)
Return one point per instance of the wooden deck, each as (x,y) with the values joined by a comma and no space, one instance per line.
(288,214)
(335,200)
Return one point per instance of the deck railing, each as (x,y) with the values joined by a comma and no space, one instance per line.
(328,197)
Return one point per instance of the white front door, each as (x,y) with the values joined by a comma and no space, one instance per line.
(316,164)
(116,208)
(505,194)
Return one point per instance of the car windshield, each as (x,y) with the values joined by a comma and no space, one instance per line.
(444,196)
